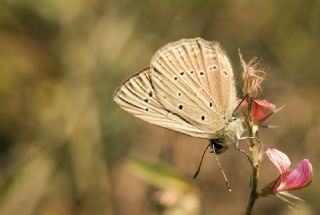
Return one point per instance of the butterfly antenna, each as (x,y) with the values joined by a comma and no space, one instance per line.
(220,167)
(199,167)
(239,104)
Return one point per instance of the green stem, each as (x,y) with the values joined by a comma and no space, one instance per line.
(254,161)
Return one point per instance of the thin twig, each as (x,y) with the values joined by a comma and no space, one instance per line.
(254,162)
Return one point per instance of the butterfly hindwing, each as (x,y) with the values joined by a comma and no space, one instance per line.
(137,96)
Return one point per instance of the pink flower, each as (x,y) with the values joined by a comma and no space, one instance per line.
(299,177)
(262,111)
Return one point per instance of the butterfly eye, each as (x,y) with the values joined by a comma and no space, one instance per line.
(203,118)
(191,71)
(180,107)
(201,73)
(150,93)
(179,94)
(147,109)
(210,104)
(146,100)
(175,78)
(181,73)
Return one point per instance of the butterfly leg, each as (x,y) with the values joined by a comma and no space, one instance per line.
(246,138)
(241,150)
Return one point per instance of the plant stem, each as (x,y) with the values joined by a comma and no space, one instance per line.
(254,148)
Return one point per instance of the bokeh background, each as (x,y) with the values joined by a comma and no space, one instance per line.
(66,148)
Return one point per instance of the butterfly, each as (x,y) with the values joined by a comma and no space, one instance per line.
(189,88)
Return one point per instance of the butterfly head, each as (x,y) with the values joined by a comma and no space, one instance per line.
(219,145)
(230,134)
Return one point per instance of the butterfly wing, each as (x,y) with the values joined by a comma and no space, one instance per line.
(137,96)
(193,79)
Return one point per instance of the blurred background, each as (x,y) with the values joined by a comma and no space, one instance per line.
(66,148)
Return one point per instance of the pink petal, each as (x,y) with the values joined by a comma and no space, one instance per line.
(299,177)
(262,110)
(279,159)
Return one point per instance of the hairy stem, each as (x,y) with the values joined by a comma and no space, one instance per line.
(254,149)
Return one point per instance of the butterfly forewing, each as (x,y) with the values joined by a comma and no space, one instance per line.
(193,78)
(137,96)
